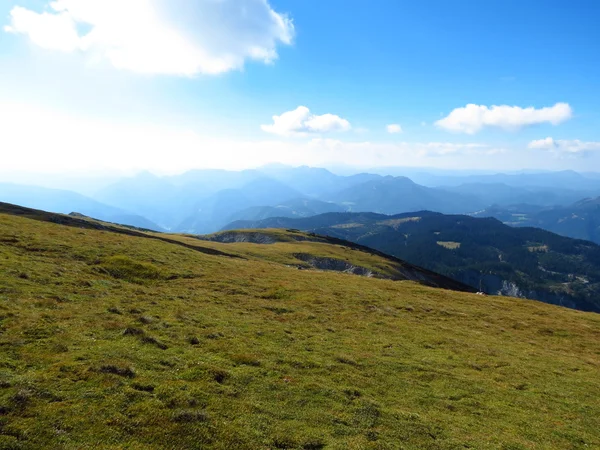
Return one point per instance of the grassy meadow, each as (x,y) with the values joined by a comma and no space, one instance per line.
(114,341)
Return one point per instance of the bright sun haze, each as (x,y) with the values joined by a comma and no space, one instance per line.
(169,86)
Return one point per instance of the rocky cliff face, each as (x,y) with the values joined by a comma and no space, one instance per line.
(496,285)
(337,265)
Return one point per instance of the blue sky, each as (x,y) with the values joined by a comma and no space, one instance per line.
(167,86)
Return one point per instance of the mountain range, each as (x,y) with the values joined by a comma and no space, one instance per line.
(580,220)
(204,201)
(481,252)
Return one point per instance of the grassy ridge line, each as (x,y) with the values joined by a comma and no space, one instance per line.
(290,236)
(203,351)
(403,270)
(71,221)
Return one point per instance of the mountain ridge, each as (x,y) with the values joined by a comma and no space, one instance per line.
(480,252)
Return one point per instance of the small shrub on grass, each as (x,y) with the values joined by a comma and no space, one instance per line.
(22,397)
(279,310)
(153,341)
(217,335)
(367,414)
(352,394)
(133,331)
(146,320)
(314,444)
(143,387)
(346,360)
(128,269)
(245,359)
(190,416)
(219,375)
(60,348)
(206,373)
(117,370)
(371,435)
(284,442)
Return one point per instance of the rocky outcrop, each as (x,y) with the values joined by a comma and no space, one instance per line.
(231,237)
(399,269)
(336,265)
(256,237)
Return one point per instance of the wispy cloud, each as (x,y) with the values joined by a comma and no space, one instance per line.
(172,37)
(472,118)
(300,122)
(561,147)
(394,128)
(435,149)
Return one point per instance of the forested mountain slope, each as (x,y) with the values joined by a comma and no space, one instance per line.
(483,253)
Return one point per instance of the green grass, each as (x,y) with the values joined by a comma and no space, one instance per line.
(287,246)
(128,269)
(116,341)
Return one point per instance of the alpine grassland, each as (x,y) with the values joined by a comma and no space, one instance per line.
(114,338)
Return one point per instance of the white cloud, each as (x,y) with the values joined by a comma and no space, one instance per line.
(300,122)
(472,118)
(564,147)
(36,139)
(41,139)
(51,31)
(394,128)
(542,144)
(434,149)
(172,37)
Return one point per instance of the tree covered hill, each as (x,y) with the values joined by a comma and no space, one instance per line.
(483,253)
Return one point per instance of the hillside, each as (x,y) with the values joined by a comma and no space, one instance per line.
(483,253)
(114,338)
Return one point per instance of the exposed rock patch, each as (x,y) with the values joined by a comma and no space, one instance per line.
(257,237)
(233,237)
(336,265)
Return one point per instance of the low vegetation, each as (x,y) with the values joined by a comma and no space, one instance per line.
(114,341)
